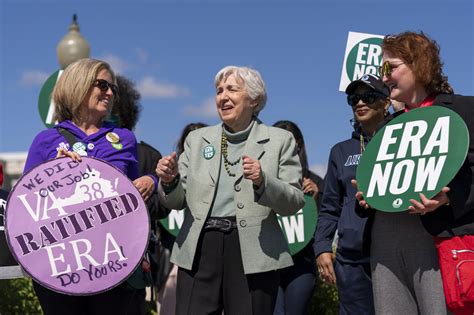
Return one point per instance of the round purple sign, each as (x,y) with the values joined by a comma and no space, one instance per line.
(78,228)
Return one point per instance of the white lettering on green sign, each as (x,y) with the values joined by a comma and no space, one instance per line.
(368,56)
(397,176)
(175,219)
(294,227)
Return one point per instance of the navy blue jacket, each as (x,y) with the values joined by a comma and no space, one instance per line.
(338,205)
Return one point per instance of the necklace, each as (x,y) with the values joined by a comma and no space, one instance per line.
(227,163)
(362,144)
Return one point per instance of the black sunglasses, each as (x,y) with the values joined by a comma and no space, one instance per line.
(368,98)
(104,85)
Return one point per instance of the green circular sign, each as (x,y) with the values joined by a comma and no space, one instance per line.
(299,228)
(364,58)
(45,106)
(172,223)
(417,152)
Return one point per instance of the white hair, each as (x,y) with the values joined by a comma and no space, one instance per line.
(253,83)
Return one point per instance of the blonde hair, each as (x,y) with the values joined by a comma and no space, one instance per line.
(253,83)
(73,86)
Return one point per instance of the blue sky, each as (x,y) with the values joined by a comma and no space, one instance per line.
(172,50)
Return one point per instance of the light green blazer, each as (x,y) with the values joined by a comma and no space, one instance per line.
(262,243)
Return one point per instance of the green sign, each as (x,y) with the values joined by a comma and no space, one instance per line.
(299,228)
(172,223)
(364,58)
(417,152)
(45,105)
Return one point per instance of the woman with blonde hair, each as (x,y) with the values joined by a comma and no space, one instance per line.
(84,96)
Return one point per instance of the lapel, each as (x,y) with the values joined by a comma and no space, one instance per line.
(212,136)
(258,136)
(254,147)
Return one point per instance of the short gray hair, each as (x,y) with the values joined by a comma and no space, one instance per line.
(253,83)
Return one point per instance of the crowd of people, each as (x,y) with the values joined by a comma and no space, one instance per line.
(234,179)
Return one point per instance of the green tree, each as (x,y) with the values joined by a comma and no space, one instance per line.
(325,299)
(17,297)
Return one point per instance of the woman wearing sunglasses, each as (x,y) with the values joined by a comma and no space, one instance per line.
(404,261)
(368,98)
(84,95)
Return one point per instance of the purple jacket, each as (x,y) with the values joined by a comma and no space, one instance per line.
(122,155)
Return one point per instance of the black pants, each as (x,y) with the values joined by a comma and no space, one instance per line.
(115,301)
(217,281)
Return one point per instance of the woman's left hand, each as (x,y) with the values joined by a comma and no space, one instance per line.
(429,205)
(252,170)
(145,186)
(310,187)
(71,154)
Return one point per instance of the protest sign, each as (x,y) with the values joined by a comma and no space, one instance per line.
(363,56)
(299,228)
(78,228)
(417,152)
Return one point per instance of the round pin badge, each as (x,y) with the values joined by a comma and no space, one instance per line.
(79,148)
(90,146)
(117,146)
(208,152)
(112,137)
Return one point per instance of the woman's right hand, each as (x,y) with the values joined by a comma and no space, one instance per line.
(325,262)
(167,168)
(359,196)
(71,154)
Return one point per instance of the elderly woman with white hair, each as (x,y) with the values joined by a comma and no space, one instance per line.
(231,181)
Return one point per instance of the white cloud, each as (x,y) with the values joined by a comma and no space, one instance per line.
(319,169)
(206,109)
(142,54)
(118,64)
(34,78)
(149,87)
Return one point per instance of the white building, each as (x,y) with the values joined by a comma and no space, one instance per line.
(13,164)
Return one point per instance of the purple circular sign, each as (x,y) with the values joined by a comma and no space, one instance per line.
(77,228)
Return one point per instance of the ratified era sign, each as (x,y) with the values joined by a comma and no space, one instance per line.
(78,228)
(417,152)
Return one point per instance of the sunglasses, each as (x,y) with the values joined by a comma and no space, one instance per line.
(104,85)
(387,68)
(368,98)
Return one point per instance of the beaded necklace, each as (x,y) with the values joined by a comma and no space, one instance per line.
(227,163)
(362,144)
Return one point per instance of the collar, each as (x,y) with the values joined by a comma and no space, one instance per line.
(239,136)
(428,101)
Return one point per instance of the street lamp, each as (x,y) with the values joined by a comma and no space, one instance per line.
(73,46)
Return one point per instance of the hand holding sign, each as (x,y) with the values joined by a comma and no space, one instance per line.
(429,205)
(414,156)
(145,186)
(310,187)
(71,154)
(359,196)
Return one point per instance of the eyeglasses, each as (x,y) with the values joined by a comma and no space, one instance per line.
(104,85)
(387,68)
(368,98)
